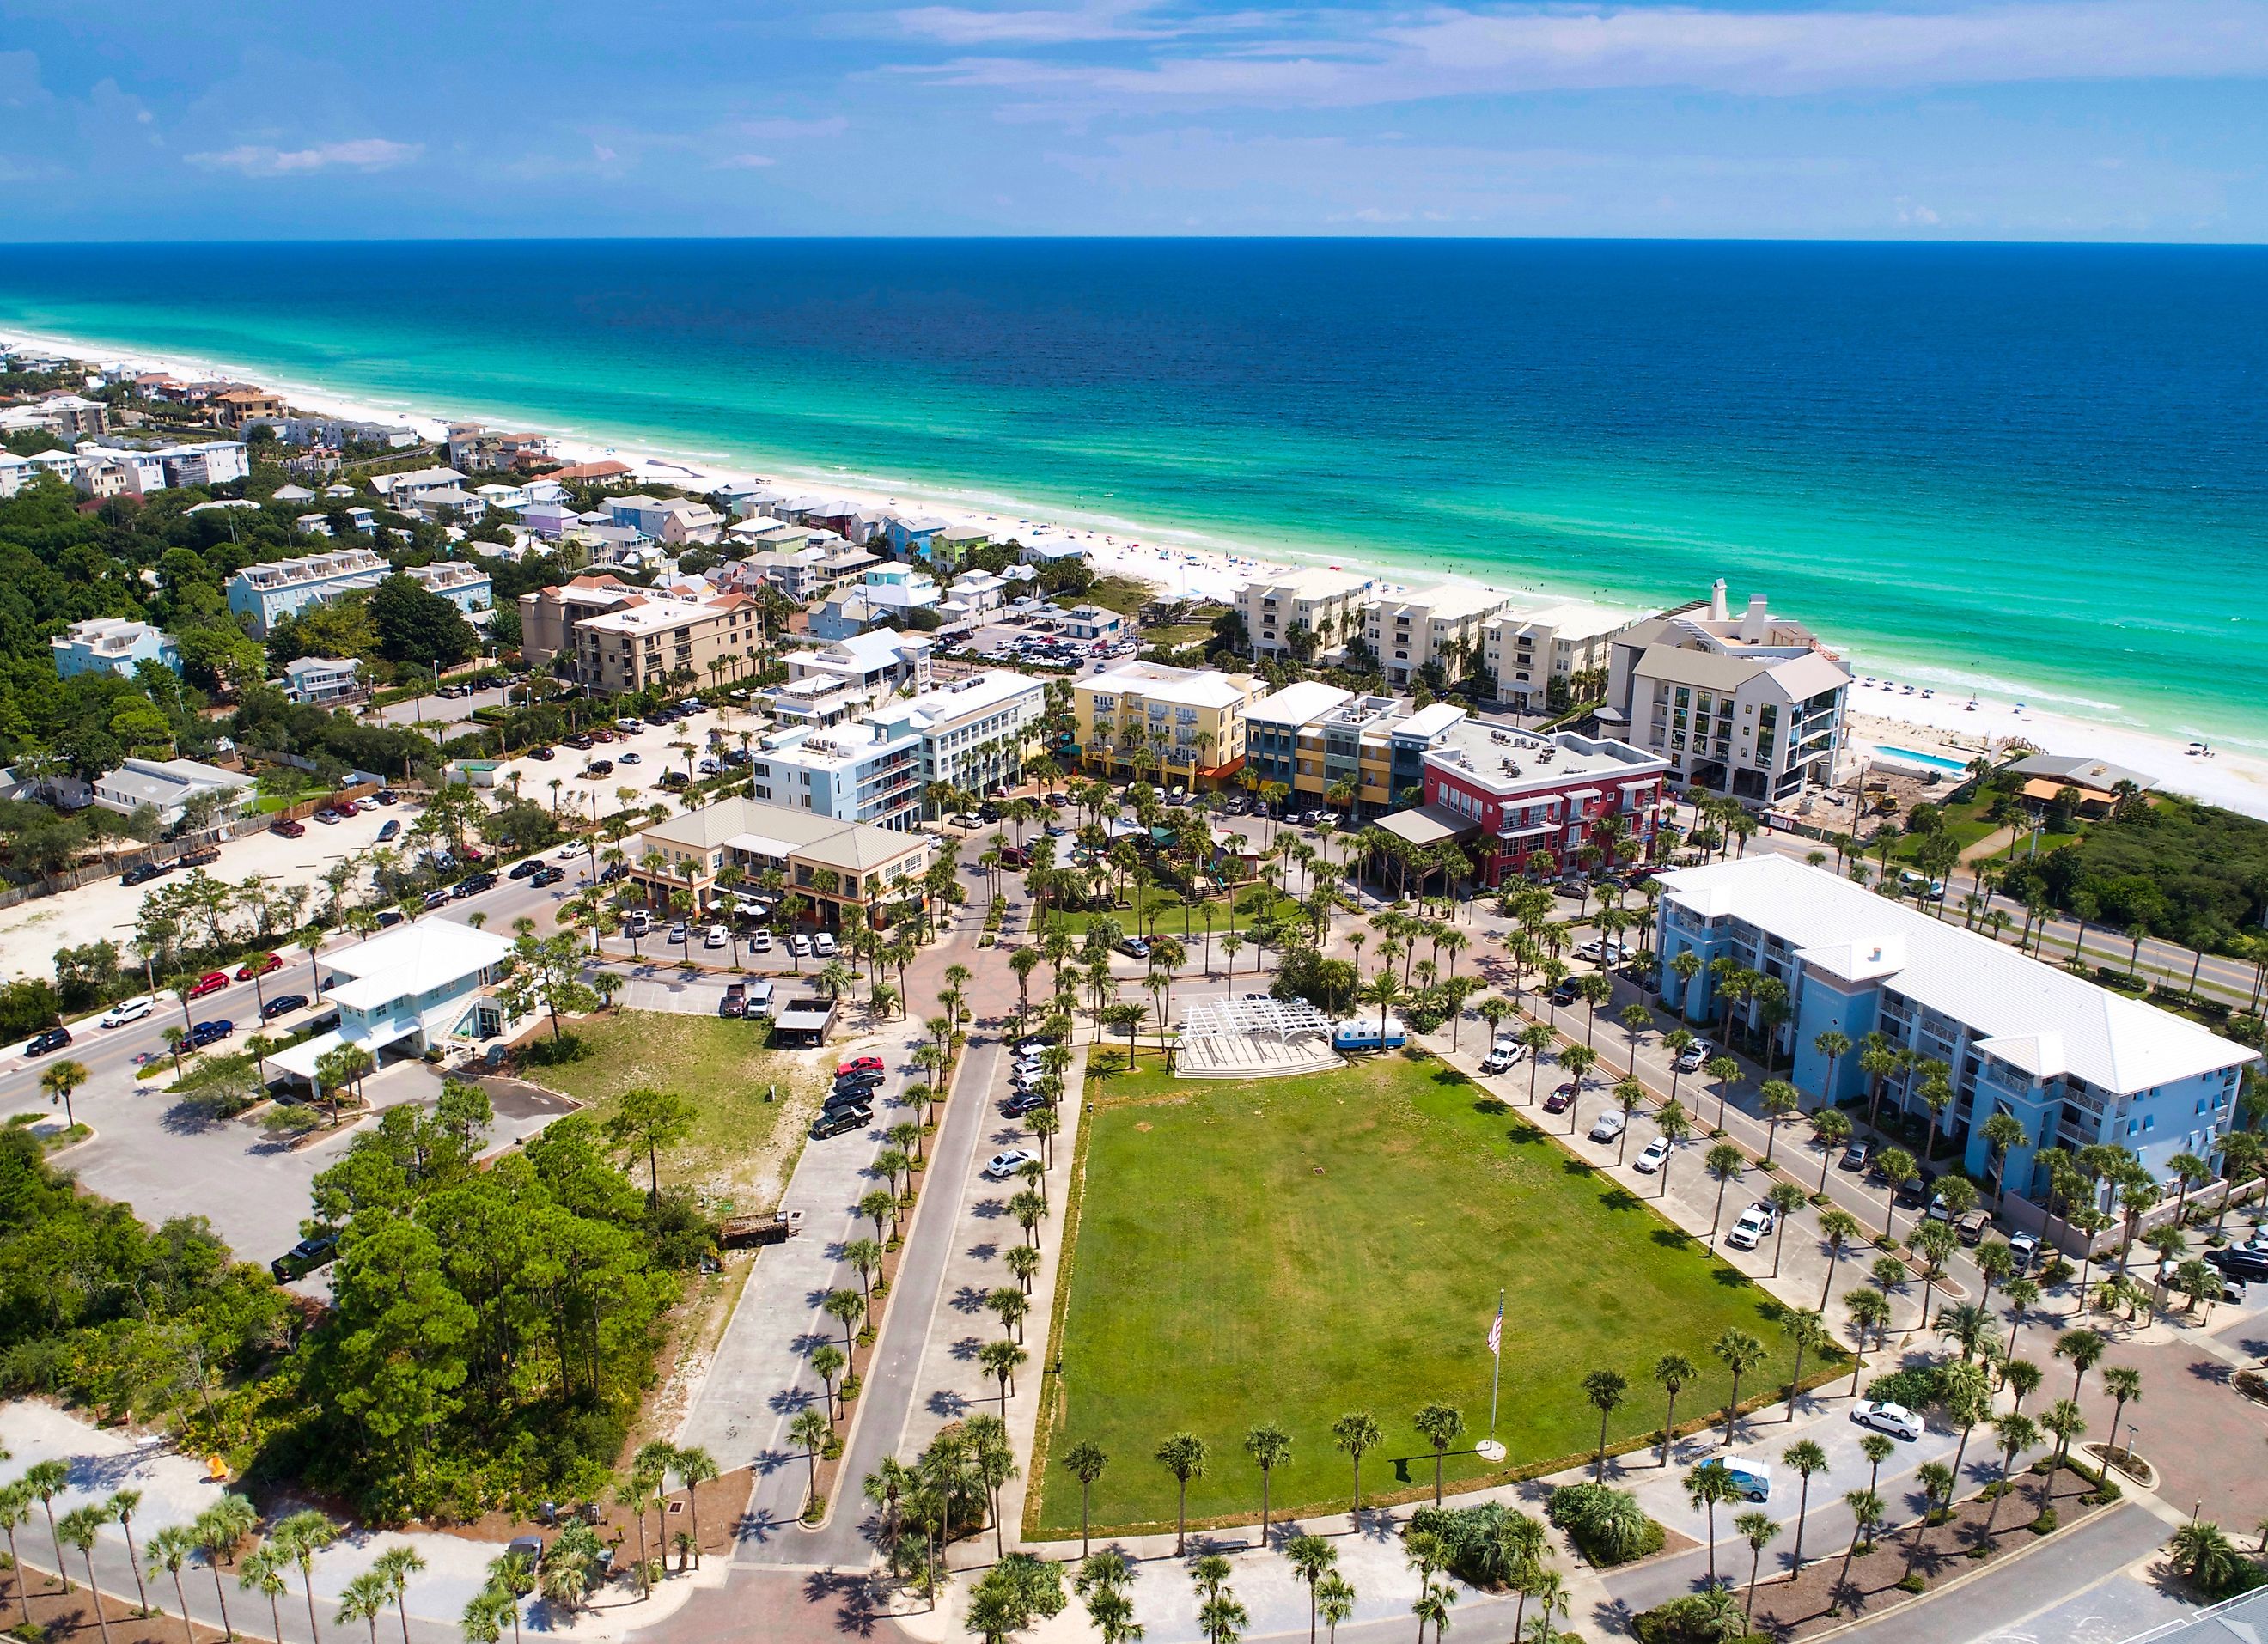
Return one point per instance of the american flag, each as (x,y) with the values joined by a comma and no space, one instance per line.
(1496,1332)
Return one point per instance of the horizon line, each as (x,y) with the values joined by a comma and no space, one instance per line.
(1938,242)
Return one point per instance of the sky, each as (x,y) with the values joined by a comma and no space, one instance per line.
(2119,120)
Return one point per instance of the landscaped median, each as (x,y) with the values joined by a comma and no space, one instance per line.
(1291,1251)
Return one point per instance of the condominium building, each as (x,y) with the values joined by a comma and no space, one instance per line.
(1186,724)
(2073,1063)
(645,642)
(112,644)
(1330,746)
(1410,631)
(975,733)
(832,864)
(264,594)
(1750,705)
(863,771)
(547,615)
(1527,651)
(1327,604)
(208,462)
(466,587)
(850,675)
(1534,805)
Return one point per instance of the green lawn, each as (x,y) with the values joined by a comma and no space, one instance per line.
(1163,908)
(1125,595)
(1293,1248)
(740,1148)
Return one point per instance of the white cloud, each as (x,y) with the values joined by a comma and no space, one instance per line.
(1456,51)
(744,162)
(362,154)
(966,25)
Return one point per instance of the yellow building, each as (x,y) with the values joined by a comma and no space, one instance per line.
(1182,725)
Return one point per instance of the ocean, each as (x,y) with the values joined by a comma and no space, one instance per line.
(2038,473)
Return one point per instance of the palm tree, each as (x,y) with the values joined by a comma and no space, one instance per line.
(1606,1390)
(2017,1433)
(261,1571)
(1706,1487)
(2124,1384)
(1727,1073)
(1839,1231)
(1183,1455)
(2084,1349)
(219,1530)
(397,1563)
(1439,1425)
(1758,1529)
(1086,1461)
(363,1599)
(1672,1372)
(121,1506)
(169,1550)
(47,1480)
(80,1527)
(58,1080)
(1354,1433)
(1803,1458)
(1725,1163)
(1334,1600)
(1312,1559)
(1806,1332)
(1866,1512)
(301,1535)
(1270,1446)
(1740,1352)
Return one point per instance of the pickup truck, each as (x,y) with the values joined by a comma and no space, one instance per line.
(1755,1226)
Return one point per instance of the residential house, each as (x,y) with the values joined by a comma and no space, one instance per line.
(167,786)
(431,985)
(466,587)
(323,680)
(666,519)
(239,406)
(400,490)
(115,644)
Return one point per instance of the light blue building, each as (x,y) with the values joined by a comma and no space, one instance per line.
(2076,1064)
(114,643)
(267,593)
(858,772)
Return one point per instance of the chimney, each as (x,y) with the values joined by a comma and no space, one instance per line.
(1718,609)
(1754,624)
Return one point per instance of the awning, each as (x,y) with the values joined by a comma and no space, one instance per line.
(1429,824)
(301,1058)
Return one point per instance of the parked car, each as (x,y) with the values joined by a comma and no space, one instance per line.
(211,982)
(735,1001)
(541,752)
(348,808)
(1751,1478)
(2238,1263)
(1972,1227)
(473,885)
(305,1258)
(859,1064)
(1855,1157)
(1506,1054)
(2025,1247)
(1005,1163)
(677,933)
(283,1005)
(388,918)
(1652,1157)
(759,940)
(284,827)
(246,971)
(54,1038)
(599,767)
(1918,1189)
(838,1121)
(1754,1225)
(1610,1125)
(1022,1102)
(389,829)
(1565,993)
(1895,1419)
(1561,1099)
(822,943)
(386,797)
(206,1034)
(327,817)
(799,945)
(1694,1056)
(521,869)
(1134,947)
(127,1010)
(436,899)
(631,757)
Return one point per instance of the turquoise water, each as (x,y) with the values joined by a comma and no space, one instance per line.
(2032,472)
(1915,756)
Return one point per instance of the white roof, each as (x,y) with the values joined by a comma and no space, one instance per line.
(878,650)
(1312,582)
(2035,1017)
(410,958)
(1299,704)
(1190,687)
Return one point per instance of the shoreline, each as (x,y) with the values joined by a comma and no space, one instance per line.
(1884,710)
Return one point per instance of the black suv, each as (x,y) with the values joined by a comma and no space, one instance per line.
(546,875)
(2251,1266)
(53,1038)
(144,873)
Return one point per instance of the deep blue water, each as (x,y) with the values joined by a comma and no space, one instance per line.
(2042,469)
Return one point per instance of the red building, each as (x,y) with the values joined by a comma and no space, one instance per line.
(1527,798)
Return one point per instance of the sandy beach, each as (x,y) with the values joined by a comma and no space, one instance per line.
(1886,711)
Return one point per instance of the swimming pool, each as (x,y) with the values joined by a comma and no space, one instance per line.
(1915,756)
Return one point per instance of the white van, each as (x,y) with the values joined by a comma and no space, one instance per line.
(1751,1477)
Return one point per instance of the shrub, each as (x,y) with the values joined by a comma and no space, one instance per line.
(2046,1522)
(1605,1524)
(1482,1544)
(1916,1387)
(1913,1583)
(1709,1618)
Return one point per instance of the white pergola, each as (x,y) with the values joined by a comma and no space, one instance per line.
(1280,1019)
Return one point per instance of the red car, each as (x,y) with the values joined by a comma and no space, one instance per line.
(473,853)
(211,982)
(859,1064)
(348,808)
(246,971)
(1560,1100)
(288,829)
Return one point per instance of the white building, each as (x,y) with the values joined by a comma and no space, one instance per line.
(428,985)
(878,663)
(264,594)
(1445,624)
(858,772)
(321,680)
(168,785)
(1750,705)
(976,732)
(1525,650)
(1329,604)
(400,490)
(208,462)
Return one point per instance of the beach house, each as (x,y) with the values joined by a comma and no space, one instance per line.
(264,594)
(168,786)
(321,681)
(427,985)
(113,644)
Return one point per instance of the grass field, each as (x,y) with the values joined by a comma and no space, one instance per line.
(1162,910)
(1294,1249)
(742,1147)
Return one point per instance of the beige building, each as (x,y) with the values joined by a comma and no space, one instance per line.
(1525,650)
(645,642)
(1327,604)
(547,615)
(1180,725)
(831,863)
(1441,624)
(1749,706)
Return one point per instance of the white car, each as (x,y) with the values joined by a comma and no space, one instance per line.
(714,937)
(1895,1419)
(677,932)
(1002,1165)
(1689,1059)
(1655,1155)
(1609,1124)
(127,1011)
(823,945)
(799,945)
(1505,1055)
(760,942)
(1755,1226)
(568,853)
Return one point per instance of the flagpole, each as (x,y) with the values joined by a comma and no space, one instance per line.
(1491,1449)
